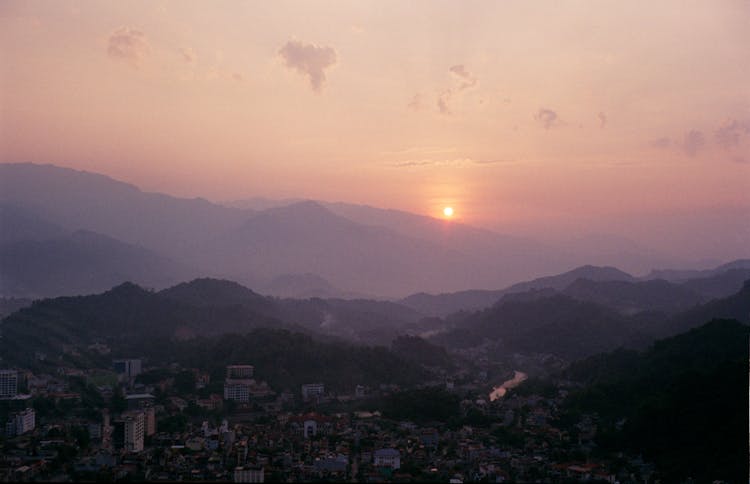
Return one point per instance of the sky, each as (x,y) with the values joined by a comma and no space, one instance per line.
(523,116)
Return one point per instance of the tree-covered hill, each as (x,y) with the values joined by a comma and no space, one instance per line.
(288,359)
(683,402)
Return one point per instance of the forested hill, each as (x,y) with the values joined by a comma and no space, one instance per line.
(683,402)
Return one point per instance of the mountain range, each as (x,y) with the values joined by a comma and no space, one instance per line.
(541,321)
(68,232)
(608,286)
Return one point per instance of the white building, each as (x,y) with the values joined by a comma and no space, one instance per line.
(129,367)
(239,384)
(312,391)
(25,421)
(134,431)
(150,421)
(248,474)
(387,458)
(237,390)
(8,383)
(21,422)
(240,372)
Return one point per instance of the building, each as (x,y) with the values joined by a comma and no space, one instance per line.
(309,428)
(129,367)
(237,390)
(21,422)
(312,391)
(150,421)
(248,474)
(137,401)
(239,383)
(387,458)
(8,383)
(25,421)
(129,431)
(240,372)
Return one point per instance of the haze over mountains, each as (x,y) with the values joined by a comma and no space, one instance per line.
(72,232)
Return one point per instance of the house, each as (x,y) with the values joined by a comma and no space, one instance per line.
(387,458)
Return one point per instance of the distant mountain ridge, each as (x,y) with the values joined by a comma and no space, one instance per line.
(605,285)
(547,321)
(81,262)
(326,249)
(680,275)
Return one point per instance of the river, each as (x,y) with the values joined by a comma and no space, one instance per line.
(499,392)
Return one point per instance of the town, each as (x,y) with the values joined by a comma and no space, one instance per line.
(136,422)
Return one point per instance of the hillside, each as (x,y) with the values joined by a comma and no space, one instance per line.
(288,359)
(736,306)
(448,303)
(684,402)
(125,317)
(602,285)
(682,275)
(81,262)
(81,200)
(555,324)
(633,297)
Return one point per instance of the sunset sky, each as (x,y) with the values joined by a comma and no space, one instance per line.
(517,114)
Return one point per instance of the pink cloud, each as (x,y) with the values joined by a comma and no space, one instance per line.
(309,60)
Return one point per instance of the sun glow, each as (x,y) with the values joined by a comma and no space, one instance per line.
(448,212)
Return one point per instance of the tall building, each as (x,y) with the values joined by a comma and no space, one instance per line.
(150,415)
(25,421)
(237,390)
(21,422)
(130,367)
(239,383)
(129,431)
(240,372)
(8,383)
(107,430)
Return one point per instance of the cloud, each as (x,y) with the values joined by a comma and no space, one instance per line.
(187,55)
(463,80)
(310,60)
(447,162)
(416,103)
(466,79)
(547,118)
(421,150)
(730,133)
(129,45)
(693,142)
(443,100)
(661,143)
(602,119)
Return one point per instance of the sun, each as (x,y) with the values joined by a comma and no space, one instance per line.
(448,212)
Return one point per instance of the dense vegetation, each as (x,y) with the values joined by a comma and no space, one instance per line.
(555,324)
(287,359)
(684,401)
(417,350)
(124,317)
(422,405)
